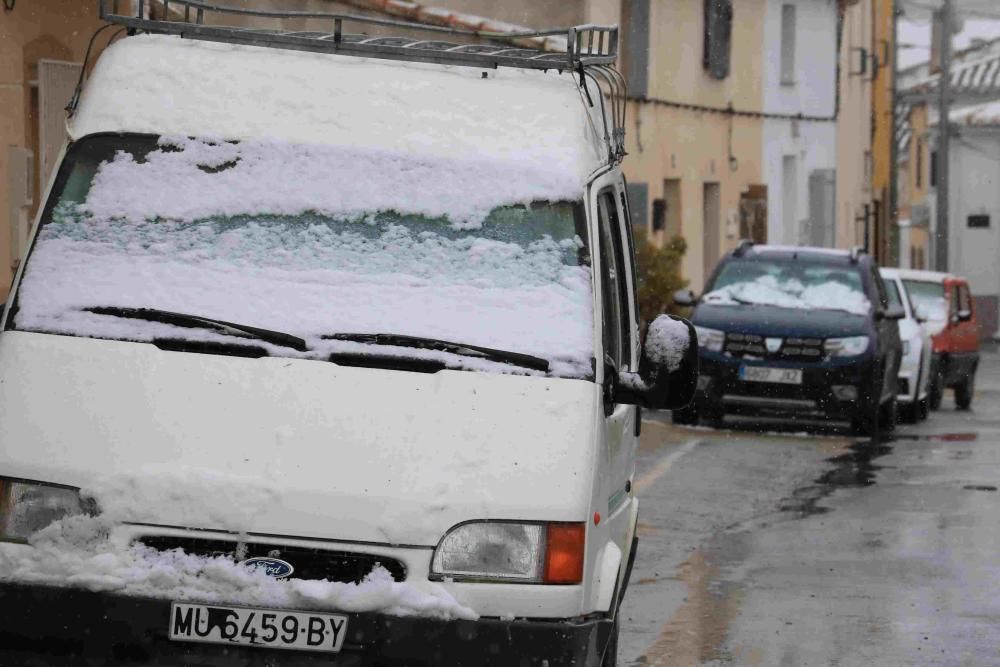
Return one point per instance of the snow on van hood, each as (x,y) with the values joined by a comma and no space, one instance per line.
(292,447)
(166,85)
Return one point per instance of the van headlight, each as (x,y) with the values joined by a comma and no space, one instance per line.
(710,339)
(27,507)
(846,347)
(512,552)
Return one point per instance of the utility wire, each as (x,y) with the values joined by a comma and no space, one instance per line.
(731,111)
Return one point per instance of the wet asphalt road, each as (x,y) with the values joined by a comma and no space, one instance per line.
(765,549)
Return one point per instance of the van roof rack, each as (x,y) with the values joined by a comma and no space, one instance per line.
(586,45)
(590,50)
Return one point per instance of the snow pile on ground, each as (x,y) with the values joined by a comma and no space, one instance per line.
(769,291)
(324,257)
(81,552)
(159,85)
(667,341)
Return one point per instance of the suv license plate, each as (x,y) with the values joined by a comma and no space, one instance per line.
(764,374)
(267,628)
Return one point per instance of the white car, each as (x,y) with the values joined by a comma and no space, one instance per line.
(914,370)
(328,353)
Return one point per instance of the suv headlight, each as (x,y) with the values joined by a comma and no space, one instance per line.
(710,339)
(27,507)
(846,347)
(503,551)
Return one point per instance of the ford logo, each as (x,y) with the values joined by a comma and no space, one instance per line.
(272,567)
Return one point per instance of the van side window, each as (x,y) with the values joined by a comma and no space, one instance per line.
(613,285)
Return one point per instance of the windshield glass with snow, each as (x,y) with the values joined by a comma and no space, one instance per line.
(310,242)
(791,283)
(930,295)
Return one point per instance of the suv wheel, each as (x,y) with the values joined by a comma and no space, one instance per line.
(867,423)
(889,415)
(936,390)
(687,416)
(965,390)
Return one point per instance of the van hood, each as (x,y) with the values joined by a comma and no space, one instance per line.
(774,321)
(292,447)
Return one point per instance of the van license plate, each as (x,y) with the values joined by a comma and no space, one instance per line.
(764,374)
(267,628)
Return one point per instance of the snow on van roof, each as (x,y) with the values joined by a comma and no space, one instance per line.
(918,274)
(170,86)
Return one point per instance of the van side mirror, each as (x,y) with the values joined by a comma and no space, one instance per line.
(964,315)
(668,367)
(921,314)
(685,297)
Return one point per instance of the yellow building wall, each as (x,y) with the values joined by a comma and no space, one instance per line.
(882,120)
(31,31)
(668,142)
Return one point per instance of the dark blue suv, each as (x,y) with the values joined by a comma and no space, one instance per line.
(798,332)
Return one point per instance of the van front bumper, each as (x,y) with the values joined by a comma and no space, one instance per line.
(66,626)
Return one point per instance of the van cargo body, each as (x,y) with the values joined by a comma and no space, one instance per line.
(324,357)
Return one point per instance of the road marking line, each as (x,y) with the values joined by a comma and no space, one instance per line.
(665,464)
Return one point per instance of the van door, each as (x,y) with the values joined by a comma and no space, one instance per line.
(619,330)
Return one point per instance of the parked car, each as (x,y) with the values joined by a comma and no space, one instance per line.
(947,306)
(799,332)
(322,353)
(915,368)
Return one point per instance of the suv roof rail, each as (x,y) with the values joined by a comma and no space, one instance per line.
(856,253)
(744,245)
(590,50)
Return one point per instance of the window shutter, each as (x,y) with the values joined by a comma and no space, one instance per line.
(718,35)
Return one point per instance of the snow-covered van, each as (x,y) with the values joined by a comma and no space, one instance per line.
(329,344)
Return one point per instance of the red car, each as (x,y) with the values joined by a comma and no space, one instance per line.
(944,304)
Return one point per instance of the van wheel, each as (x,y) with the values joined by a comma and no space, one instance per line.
(910,412)
(965,391)
(611,651)
(923,410)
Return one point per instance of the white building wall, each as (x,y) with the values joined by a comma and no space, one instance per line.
(812,92)
(975,189)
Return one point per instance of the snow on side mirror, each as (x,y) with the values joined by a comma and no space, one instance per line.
(921,313)
(668,367)
(684,297)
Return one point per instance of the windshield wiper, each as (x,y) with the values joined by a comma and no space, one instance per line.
(199,322)
(504,356)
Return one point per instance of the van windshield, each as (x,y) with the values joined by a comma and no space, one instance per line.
(310,242)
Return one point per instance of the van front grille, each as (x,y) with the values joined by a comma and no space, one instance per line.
(342,566)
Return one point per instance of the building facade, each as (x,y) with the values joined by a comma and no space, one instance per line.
(974,171)
(800,133)
(42,46)
(866,127)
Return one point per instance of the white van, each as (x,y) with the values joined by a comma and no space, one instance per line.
(329,344)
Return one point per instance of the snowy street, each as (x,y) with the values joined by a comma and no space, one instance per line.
(764,549)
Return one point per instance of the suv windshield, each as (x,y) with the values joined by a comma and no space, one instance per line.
(789,283)
(272,238)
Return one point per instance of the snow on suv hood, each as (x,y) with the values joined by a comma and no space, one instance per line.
(292,447)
